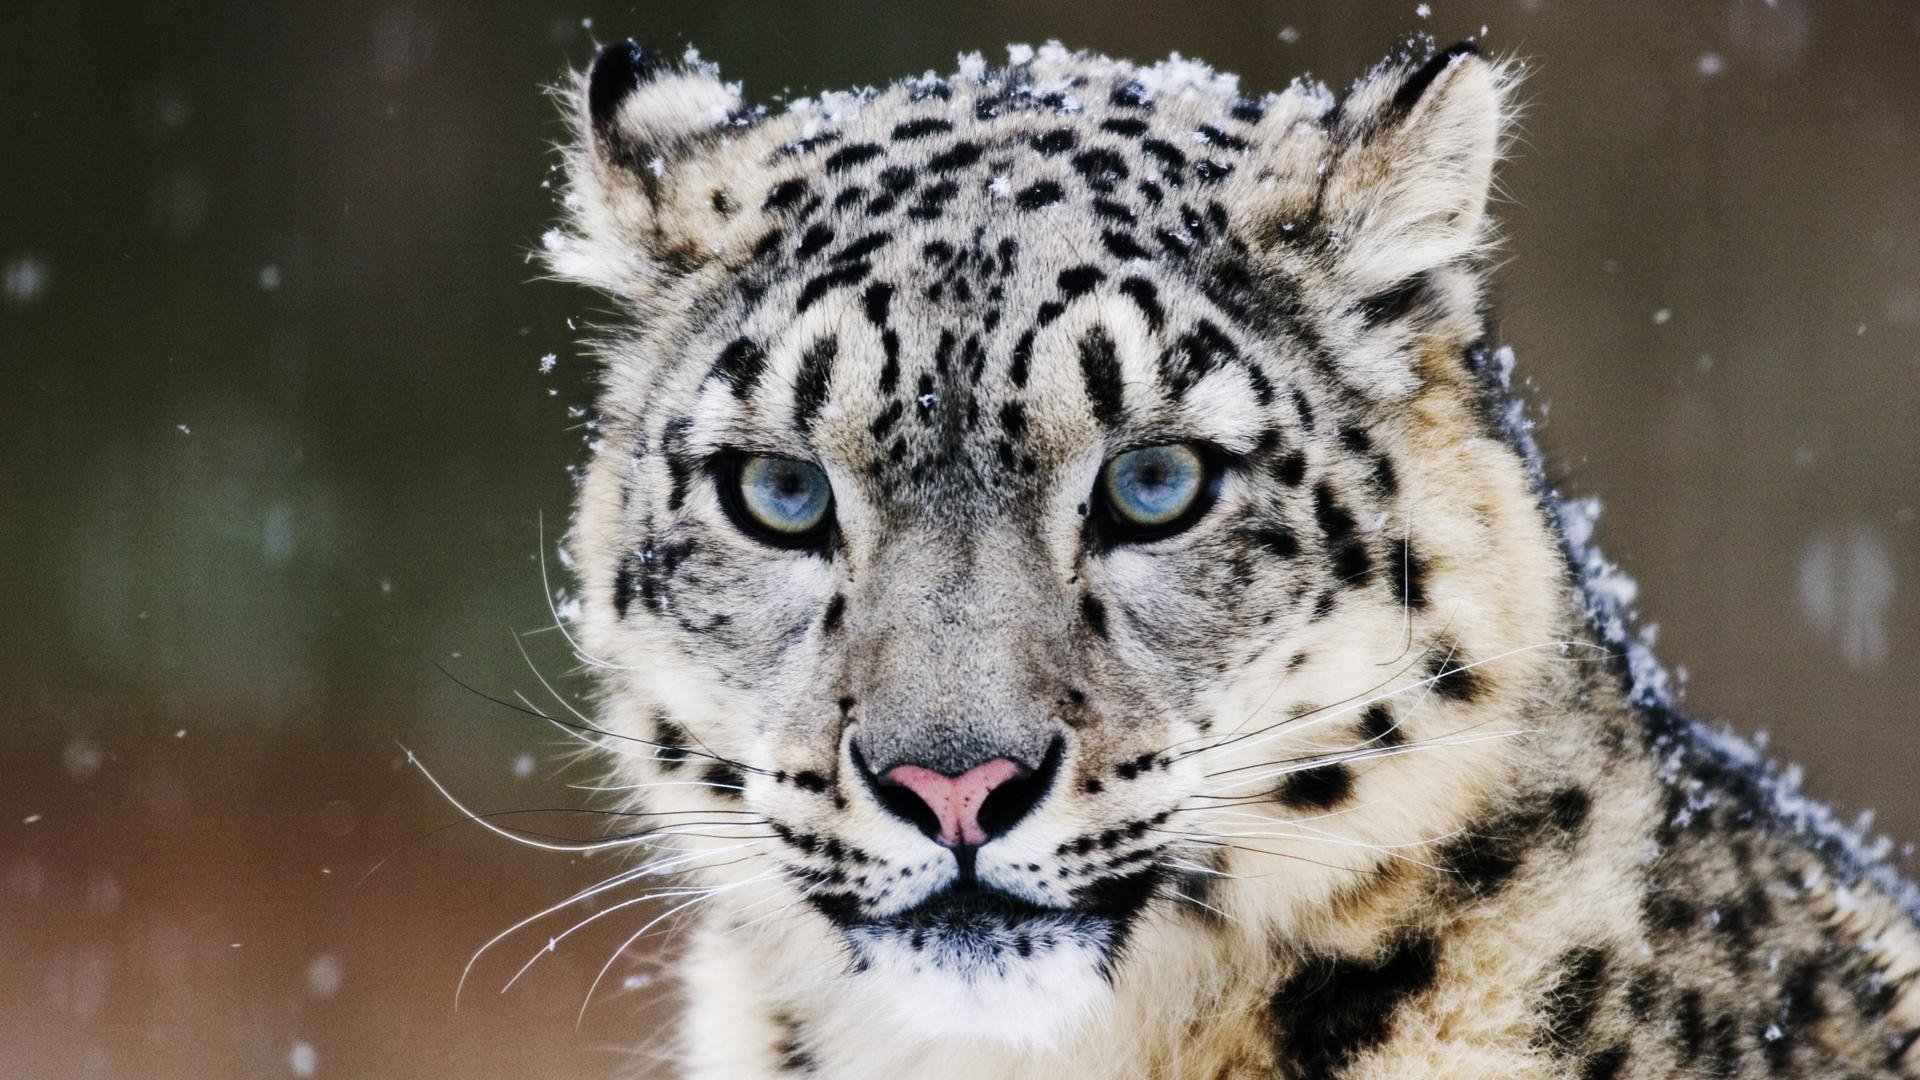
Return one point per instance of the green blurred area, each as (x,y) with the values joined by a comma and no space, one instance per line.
(275,441)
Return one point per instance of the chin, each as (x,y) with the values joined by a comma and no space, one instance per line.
(977,965)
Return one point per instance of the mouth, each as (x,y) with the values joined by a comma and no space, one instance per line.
(970,922)
(966,924)
(970,908)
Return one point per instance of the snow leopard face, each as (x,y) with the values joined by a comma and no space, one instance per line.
(1014,522)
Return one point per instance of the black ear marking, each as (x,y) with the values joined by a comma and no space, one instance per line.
(1417,83)
(618,70)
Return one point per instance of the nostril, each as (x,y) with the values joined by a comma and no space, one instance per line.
(900,800)
(1013,800)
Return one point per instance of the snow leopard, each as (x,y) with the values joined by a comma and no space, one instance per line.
(1072,593)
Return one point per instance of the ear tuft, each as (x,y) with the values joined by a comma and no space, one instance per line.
(642,108)
(618,70)
(1417,83)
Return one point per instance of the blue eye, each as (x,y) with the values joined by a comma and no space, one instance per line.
(1155,491)
(784,501)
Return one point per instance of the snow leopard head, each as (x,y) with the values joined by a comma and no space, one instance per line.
(1037,506)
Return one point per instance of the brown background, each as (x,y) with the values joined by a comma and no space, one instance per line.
(273,443)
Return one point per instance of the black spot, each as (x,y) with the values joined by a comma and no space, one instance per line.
(1604,1064)
(1305,410)
(1278,539)
(1248,111)
(1101,168)
(1212,172)
(1078,280)
(767,244)
(936,252)
(808,780)
(1668,912)
(849,197)
(811,383)
(785,195)
(1013,419)
(1220,138)
(671,742)
(1394,302)
(1130,95)
(1384,478)
(1038,194)
(885,421)
(1095,613)
(1196,353)
(921,128)
(835,609)
(739,366)
(849,274)
(1451,675)
(890,367)
(1146,298)
(1417,83)
(848,156)
(726,776)
(1047,312)
(1171,159)
(1022,359)
(1334,1008)
(1574,999)
(1124,125)
(1352,565)
(1058,141)
(1152,192)
(1486,856)
(875,301)
(1378,727)
(895,179)
(1406,574)
(1122,246)
(862,247)
(1112,211)
(816,237)
(1321,787)
(1100,371)
(1176,245)
(1643,995)
(932,200)
(958,156)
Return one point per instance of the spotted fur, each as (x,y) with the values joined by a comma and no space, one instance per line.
(1347,780)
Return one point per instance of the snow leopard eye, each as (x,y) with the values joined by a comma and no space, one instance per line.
(778,500)
(1155,491)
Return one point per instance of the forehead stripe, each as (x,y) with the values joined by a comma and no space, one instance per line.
(811,384)
(1100,372)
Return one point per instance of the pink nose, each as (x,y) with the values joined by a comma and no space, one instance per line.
(956,800)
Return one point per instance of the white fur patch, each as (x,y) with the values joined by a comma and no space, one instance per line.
(974,986)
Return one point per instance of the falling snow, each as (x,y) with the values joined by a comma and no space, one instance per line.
(24,281)
(303,1060)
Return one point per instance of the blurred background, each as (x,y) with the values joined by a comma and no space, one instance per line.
(285,413)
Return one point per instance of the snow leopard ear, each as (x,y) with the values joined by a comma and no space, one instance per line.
(1407,190)
(641,192)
